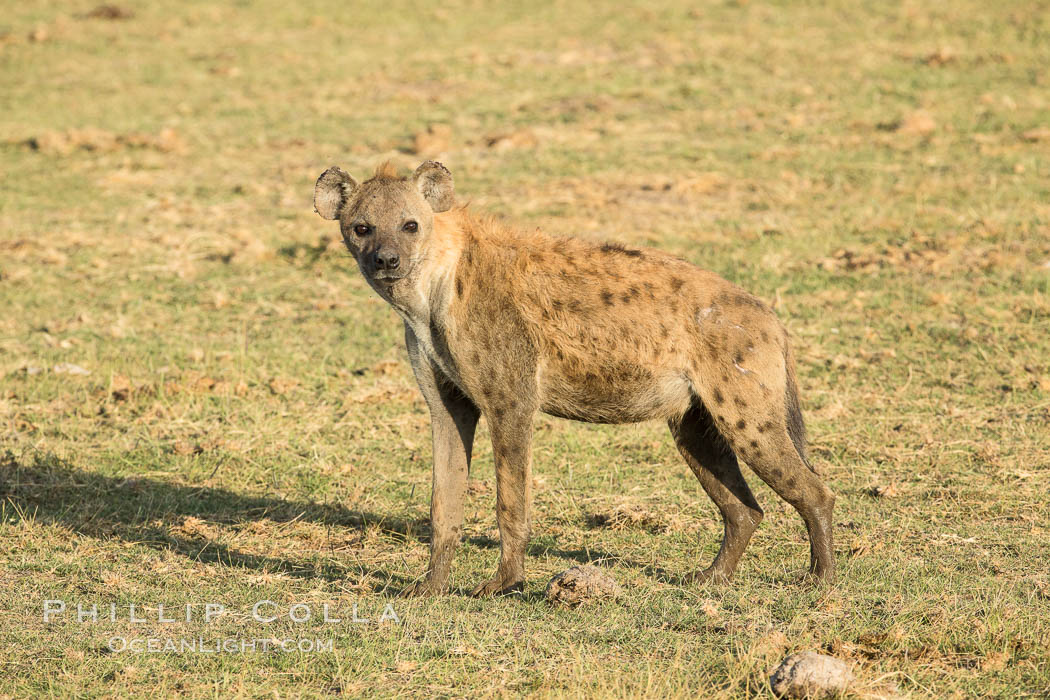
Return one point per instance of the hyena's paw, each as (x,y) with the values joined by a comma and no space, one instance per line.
(712,575)
(497,587)
(422,589)
(817,579)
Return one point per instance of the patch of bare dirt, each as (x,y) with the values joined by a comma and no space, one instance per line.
(93,139)
(925,254)
(1041,133)
(627,516)
(919,122)
(437,139)
(108,12)
(505,141)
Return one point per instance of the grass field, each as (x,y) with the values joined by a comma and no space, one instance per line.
(202,402)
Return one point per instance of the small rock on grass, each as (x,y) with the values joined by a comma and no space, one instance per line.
(811,675)
(581,584)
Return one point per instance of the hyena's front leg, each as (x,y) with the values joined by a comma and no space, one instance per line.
(453,418)
(511,426)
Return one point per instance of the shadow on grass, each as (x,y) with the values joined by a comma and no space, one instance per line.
(149,512)
(308,254)
(588,555)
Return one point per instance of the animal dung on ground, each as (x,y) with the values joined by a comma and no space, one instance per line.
(811,675)
(581,584)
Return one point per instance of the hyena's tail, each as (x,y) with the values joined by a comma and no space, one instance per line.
(795,425)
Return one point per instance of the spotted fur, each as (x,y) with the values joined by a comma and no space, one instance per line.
(505,323)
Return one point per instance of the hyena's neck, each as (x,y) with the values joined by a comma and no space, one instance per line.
(433,290)
(426,305)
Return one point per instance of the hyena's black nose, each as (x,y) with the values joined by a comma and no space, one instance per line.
(386,260)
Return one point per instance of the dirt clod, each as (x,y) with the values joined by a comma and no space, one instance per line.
(810,675)
(581,584)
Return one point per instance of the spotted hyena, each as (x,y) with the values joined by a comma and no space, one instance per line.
(504,324)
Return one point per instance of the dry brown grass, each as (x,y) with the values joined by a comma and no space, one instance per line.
(201,401)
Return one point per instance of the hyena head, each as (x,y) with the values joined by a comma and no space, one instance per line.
(387,221)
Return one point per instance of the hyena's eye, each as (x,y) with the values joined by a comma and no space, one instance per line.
(410,226)
(362,229)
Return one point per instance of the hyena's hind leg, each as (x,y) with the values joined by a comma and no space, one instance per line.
(715,465)
(774,448)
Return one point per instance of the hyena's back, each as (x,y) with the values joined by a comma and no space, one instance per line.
(625,335)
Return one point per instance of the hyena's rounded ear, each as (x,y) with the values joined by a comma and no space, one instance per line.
(434,182)
(332,191)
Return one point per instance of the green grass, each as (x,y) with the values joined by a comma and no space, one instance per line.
(250,429)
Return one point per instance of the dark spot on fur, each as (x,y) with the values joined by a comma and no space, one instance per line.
(475,358)
(741,424)
(556,304)
(574,305)
(721,419)
(754,443)
(739,402)
(739,299)
(665,331)
(633,291)
(625,297)
(498,412)
(607,297)
(738,356)
(718,397)
(777,473)
(748,300)
(765,337)
(617,248)
(762,428)
(459,286)
(676,283)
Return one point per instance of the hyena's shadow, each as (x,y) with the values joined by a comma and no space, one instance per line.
(151,512)
(540,548)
